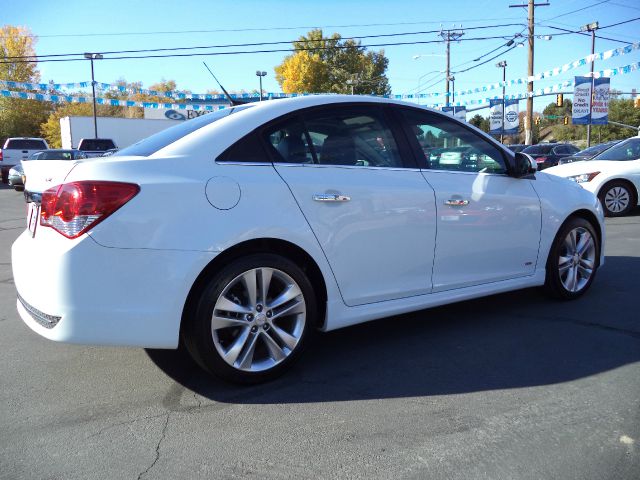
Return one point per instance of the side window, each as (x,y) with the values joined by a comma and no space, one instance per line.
(352,136)
(561,150)
(289,142)
(449,146)
(246,150)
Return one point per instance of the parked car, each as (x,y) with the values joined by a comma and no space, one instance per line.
(288,219)
(45,161)
(16,177)
(548,154)
(588,153)
(95,147)
(517,147)
(613,175)
(17,149)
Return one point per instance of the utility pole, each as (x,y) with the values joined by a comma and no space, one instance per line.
(528,124)
(591,27)
(503,64)
(448,36)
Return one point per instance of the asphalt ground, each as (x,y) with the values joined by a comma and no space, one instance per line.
(513,386)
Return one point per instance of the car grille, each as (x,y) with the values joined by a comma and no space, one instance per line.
(47,321)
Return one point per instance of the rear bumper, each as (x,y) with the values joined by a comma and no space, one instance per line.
(77,291)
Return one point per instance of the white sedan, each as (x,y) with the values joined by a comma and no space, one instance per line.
(613,176)
(241,232)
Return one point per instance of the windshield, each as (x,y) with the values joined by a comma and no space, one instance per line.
(596,149)
(627,150)
(158,141)
(538,149)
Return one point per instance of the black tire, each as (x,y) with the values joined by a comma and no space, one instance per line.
(556,281)
(612,194)
(206,344)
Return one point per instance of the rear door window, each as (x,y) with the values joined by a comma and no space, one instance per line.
(355,136)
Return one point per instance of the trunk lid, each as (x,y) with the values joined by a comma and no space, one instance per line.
(40,175)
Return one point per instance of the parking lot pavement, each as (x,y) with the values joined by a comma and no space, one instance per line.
(511,386)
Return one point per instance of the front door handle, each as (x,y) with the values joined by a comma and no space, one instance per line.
(331,197)
(456,202)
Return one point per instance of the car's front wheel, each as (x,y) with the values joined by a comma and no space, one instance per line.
(252,318)
(573,260)
(617,199)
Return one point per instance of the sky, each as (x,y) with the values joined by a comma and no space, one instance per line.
(80,26)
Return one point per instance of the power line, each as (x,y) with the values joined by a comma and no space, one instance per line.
(578,10)
(151,50)
(270,29)
(487,61)
(242,52)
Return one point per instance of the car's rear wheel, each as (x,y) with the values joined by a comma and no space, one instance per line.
(617,199)
(573,260)
(252,318)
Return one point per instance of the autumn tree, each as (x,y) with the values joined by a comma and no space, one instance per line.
(19,117)
(332,65)
(50,129)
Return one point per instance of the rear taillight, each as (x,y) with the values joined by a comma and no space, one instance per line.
(541,159)
(73,208)
(0,155)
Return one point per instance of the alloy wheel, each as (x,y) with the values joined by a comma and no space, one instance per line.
(258,319)
(577,259)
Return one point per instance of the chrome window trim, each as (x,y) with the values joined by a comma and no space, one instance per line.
(349,167)
(250,164)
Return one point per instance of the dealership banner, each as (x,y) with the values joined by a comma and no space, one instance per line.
(581,110)
(511,118)
(458,112)
(600,107)
(495,117)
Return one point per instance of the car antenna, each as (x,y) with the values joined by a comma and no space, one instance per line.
(231,100)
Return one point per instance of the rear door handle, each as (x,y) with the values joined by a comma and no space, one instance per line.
(456,202)
(331,197)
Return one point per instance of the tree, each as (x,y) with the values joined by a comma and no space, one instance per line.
(18,117)
(50,129)
(332,65)
(481,122)
(620,110)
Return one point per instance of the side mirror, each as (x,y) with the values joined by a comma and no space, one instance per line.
(523,165)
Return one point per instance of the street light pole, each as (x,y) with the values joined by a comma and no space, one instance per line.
(91,57)
(591,27)
(260,74)
(503,64)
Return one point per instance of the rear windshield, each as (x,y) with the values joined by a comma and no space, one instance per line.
(97,145)
(158,141)
(57,155)
(538,149)
(26,144)
(627,150)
